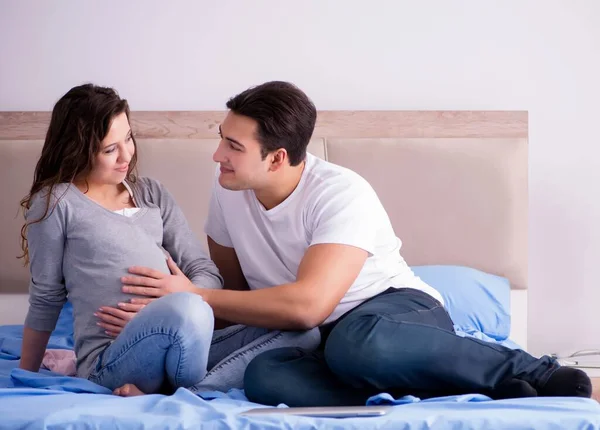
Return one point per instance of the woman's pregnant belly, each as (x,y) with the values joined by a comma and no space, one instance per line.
(94,282)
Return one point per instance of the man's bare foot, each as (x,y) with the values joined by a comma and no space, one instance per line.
(128,390)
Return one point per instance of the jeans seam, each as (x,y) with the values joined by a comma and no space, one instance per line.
(539,381)
(384,316)
(228,335)
(543,379)
(243,353)
(108,366)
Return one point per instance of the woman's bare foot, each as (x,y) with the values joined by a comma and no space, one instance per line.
(128,390)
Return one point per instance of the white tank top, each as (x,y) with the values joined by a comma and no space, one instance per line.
(128,211)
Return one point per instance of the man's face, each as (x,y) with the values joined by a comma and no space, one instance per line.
(239,156)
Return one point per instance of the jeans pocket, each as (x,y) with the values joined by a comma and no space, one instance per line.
(444,321)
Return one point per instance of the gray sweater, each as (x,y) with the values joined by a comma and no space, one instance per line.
(81,250)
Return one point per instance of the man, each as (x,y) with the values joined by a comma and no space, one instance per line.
(304,243)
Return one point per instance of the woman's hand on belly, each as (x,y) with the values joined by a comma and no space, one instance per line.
(114,320)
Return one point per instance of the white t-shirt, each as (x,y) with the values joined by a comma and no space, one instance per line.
(331,204)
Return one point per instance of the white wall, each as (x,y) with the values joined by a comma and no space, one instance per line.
(540,56)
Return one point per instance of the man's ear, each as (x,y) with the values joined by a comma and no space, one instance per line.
(278,159)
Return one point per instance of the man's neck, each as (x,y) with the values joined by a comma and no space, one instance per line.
(282,187)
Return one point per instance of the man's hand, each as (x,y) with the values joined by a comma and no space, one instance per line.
(153,283)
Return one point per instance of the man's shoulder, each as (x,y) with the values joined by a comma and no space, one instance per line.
(334,190)
(325,177)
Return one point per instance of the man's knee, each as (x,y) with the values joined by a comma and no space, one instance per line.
(259,378)
(352,347)
(307,340)
(264,378)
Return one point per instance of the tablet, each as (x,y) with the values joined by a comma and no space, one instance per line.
(324,411)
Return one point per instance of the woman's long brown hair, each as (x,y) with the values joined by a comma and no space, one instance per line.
(80,121)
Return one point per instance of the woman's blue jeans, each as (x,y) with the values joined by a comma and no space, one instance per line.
(171,344)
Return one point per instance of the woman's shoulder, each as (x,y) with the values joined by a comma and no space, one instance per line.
(145,184)
(147,189)
(47,199)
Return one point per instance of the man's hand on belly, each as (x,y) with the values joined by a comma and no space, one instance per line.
(153,283)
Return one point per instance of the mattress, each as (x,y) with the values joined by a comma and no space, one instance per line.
(47,400)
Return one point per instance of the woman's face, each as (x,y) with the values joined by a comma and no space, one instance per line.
(111,164)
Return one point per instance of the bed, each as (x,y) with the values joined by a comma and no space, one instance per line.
(455,186)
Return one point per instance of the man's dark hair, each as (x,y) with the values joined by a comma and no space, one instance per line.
(285,116)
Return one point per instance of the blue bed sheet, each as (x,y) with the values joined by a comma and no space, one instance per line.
(46,401)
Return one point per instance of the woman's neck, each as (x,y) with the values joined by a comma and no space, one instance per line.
(111,196)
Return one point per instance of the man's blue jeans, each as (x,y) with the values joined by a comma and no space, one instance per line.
(402,342)
(171,344)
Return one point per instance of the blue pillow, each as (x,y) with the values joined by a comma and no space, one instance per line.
(474,299)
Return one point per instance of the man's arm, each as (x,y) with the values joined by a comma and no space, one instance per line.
(325,274)
(228,264)
(343,230)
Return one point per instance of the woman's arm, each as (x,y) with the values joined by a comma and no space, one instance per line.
(33,349)
(182,243)
(47,293)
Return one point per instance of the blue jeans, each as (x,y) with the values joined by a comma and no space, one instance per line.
(233,348)
(401,342)
(171,344)
(166,344)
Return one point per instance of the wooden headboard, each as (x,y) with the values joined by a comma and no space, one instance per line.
(453,182)
(353,124)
